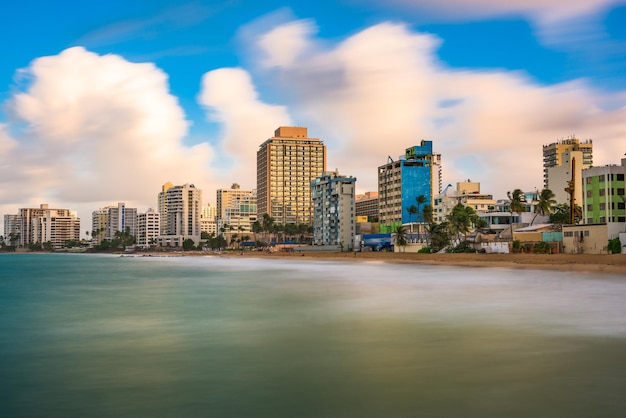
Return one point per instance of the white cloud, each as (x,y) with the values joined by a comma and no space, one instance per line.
(557,21)
(283,44)
(383,90)
(98,130)
(231,99)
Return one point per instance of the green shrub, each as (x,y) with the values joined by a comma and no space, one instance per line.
(615,246)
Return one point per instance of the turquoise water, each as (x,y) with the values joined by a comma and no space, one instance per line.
(106,336)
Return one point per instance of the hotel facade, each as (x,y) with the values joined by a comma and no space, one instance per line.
(287,163)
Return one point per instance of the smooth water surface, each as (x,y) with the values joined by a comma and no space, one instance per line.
(108,336)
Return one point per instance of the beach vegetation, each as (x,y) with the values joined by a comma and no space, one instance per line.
(438,236)
(545,204)
(188,245)
(401,237)
(462,247)
(615,246)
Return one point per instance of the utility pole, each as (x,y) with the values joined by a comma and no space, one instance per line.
(570,189)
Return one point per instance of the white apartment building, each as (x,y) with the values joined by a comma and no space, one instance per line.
(183,213)
(105,222)
(148,228)
(41,225)
(334,210)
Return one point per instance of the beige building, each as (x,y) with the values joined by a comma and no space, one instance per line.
(208,224)
(366,205)
(468,194)
(287,163)
(561,160)
(162,204)
(106,221)
(41,225)
(589,239)
(229,198)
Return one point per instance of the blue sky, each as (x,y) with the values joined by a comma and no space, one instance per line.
(88,87)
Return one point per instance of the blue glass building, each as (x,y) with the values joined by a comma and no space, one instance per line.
(400,182)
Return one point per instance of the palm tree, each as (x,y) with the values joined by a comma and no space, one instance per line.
(516,205)
(545,204)
(421,199)
(412,210)
(460,220)
(400,237)
(427,213)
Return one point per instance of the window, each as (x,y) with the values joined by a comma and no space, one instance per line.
(601,178)
(601,192)
(619,177)
(602,219)
(621,219)
(590,207)
(588,180)
(589,193)
(620,192)
(602,206)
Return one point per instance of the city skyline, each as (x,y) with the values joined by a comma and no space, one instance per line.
(105,103)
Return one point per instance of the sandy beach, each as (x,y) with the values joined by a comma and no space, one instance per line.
(609,263)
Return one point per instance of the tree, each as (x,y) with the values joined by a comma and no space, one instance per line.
(400,237)
(13,238)
(411,210)
(421,199)
(188,244)
(460,220)
(561,214)
(427,213)
(545,204)
(438,236)
(516,205)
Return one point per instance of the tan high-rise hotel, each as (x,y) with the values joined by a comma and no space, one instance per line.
(287,163)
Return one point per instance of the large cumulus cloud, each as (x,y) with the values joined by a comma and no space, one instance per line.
(383,89)
(91,129)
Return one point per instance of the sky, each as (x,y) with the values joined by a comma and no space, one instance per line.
(104,102)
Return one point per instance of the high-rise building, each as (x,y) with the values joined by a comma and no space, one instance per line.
(162,204)
(183,207)
(604,196)
(42,225)
(148,227)
(287,163)
(561,160)
(334,210)
(400,182)
(105,222)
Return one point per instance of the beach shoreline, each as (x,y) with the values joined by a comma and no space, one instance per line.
(604,263)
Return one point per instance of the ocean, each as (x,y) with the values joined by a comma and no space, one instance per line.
(108,336)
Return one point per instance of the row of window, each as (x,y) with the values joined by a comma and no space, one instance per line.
(602,178)
(602,192)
